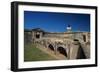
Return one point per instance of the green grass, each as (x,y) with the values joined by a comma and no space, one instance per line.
(31,53)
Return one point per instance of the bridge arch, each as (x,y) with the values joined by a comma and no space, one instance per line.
(81,54)
(51,47)
(62,51)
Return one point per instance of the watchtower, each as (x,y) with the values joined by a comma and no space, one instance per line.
(37,33)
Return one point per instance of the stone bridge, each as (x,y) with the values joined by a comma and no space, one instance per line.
(71,49)
(72,45)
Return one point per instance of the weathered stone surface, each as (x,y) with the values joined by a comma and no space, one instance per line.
(69,41)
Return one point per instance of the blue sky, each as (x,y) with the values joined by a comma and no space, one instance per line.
(56,22)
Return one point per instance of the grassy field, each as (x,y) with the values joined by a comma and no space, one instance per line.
(31,53)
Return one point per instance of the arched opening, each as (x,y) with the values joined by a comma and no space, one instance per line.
(37,36)
(76,40)
(51,47)
(81,54)
(84,38)
(62,51)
